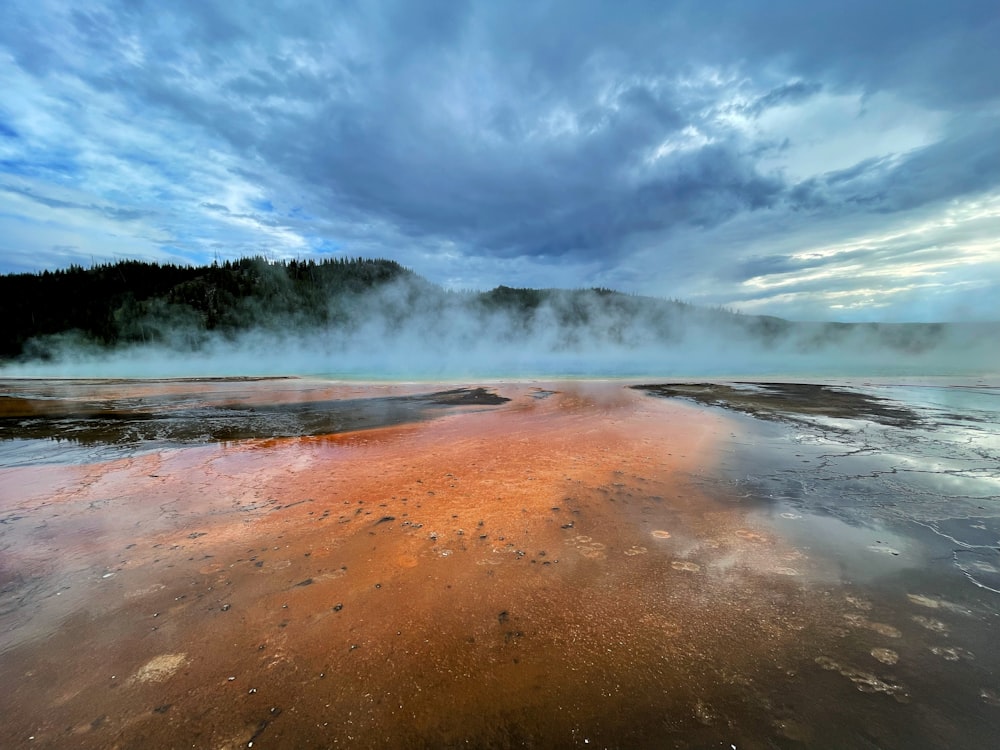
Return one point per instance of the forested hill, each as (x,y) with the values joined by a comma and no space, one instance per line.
(132,301)
(362,304)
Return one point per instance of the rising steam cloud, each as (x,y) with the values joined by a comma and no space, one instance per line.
(408,329)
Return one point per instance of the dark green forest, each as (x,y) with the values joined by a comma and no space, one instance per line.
(133,302)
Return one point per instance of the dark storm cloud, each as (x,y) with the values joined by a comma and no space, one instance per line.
(42,199)
(117,213)
(966,163)
(502,135)
(898,254)
(767,265)
(386,143)
(940,52)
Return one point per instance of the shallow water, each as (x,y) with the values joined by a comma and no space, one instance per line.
(902,523)
(581,566)
(45,421)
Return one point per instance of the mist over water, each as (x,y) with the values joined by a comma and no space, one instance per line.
(619,541)
(409,330)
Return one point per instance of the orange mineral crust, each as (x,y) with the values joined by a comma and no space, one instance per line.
(546,572)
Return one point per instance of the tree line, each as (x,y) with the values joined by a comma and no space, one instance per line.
(134,301)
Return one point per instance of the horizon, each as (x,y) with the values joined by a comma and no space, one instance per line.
(397,325)
(674,300)
(820,162)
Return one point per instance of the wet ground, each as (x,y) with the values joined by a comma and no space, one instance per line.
(294,563)
(790,402)
(145,415)
(895,491)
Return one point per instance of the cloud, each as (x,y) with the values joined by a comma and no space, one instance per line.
(544,144)
(787,93)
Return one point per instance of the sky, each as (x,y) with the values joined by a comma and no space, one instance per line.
(816,161)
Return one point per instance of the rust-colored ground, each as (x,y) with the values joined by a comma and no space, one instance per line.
(543,573)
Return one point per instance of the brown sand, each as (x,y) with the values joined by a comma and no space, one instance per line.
(543,573)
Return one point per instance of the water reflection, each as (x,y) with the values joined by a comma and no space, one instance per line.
(95,420)
(901,522)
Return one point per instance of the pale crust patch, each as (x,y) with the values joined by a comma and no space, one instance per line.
(160,668)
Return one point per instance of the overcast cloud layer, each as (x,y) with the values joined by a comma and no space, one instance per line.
(812,160)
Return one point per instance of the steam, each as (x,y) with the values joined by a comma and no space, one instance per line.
(410,330)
